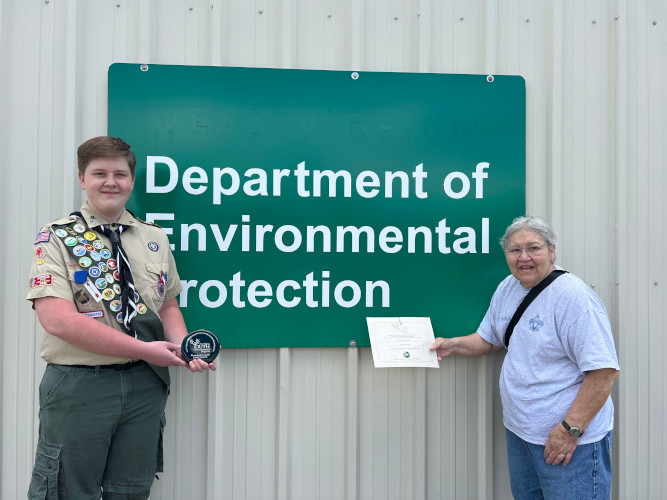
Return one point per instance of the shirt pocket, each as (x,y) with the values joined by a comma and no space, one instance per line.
(157,280)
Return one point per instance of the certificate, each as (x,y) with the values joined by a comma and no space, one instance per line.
(402,342)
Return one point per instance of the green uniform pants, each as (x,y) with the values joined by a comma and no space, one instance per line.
(100,433)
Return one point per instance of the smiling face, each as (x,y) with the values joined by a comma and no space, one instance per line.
(530,269)
(108,182)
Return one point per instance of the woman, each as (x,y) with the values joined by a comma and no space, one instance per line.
(556,379)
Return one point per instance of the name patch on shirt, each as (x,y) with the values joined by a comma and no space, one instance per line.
(94,314)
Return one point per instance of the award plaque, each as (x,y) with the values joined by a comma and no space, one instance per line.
(200,344)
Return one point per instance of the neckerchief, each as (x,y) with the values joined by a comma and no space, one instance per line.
(128,305)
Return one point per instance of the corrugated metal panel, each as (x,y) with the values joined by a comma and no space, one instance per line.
(642,112)
(322,423)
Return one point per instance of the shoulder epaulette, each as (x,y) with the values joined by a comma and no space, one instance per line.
(147,223)
(59,222)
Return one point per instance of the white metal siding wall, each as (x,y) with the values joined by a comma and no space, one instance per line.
(642,233)
(322,423)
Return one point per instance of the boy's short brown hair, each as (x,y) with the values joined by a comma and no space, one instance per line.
(104,147)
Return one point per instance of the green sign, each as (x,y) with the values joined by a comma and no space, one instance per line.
(300,202)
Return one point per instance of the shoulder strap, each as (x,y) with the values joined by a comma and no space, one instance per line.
(532,295)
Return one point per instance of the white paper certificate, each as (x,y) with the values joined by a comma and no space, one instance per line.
(402,342)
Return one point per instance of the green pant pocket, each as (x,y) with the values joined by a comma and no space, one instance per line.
(44,482)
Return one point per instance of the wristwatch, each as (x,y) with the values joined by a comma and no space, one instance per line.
(575,432)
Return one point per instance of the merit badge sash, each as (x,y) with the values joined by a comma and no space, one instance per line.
(101,278)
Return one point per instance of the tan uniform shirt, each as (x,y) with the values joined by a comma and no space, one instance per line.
(53,274)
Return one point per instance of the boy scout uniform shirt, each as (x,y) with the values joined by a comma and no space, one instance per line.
(53,272)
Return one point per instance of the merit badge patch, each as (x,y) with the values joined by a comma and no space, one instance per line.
(153,246)
(85,261)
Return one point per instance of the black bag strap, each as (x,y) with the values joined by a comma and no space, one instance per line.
(532,295)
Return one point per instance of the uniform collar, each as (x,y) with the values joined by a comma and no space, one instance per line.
(94,219)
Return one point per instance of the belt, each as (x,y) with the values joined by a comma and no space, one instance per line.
(120,366)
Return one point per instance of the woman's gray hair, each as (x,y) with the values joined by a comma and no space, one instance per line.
(530,223)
